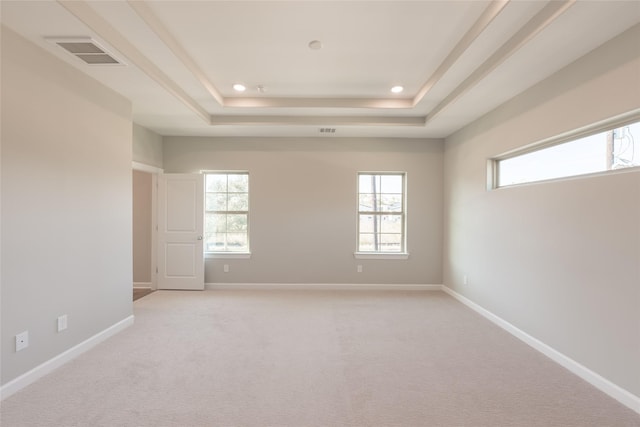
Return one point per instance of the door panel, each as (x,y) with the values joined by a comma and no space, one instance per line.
(180,259)
(180,230)
(181,207)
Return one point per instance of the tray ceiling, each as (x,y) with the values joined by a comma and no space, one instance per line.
(310,65)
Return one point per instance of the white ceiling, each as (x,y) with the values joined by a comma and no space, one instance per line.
(457,60)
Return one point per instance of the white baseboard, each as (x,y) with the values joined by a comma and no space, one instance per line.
(50,365)
(618,393)
(142,285)
(320,286)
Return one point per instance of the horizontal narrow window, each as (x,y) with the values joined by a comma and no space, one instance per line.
(614,148)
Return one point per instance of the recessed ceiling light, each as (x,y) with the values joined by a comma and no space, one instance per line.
(397,89)
(315,45)
(239,88)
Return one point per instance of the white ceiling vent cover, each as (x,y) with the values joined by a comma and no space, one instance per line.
(86,49)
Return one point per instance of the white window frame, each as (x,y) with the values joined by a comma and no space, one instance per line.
(230,254)
(493,164)
(400,255)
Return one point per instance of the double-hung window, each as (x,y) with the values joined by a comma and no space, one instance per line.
(381,213)
(227,212)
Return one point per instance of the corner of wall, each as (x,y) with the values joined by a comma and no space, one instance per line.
(147,148)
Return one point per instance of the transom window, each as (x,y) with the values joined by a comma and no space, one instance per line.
(381,212)
(227,212)
(606,148)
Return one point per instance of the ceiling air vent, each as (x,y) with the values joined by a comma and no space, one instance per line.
(87,50)
(327,130)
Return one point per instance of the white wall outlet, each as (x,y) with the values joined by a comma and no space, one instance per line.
(226,268)
(22,340)
(465,281)
(62,323)
(359,268)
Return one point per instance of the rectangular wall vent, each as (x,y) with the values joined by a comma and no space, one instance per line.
(87,50)
(327,130)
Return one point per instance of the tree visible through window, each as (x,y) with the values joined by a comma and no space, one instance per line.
(227,212)
(381,212)
(615,148)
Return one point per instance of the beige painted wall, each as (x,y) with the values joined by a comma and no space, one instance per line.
(303,206)
(559,260)
(147,146)
(142,227)
(66,205)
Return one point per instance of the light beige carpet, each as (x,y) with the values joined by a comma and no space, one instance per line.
(311,358)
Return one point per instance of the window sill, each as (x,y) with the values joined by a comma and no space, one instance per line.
(381,255)
(227,255)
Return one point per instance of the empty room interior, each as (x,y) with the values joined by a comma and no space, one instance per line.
(341,213)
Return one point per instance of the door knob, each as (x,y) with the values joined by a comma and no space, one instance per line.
(199,237)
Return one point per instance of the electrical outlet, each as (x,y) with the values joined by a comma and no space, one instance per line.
(62,323)
(22,340)
(226,268)
(359,268)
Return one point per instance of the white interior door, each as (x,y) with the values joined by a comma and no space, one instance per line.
(180,231)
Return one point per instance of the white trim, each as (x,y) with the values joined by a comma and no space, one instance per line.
(494,187)
(550,12)
(154,230)
(490,13)
(150,18)
(142,167)
(230,120)
(618,393)
(321,286)
(142,285)
(100,26)
(50,365)
(227,255)
(381,255)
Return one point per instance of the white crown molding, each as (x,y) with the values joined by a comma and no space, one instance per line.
(154,23)
(618,393)
(317,120)
(150,18)
(490,12)
(373,103)
(534,26)
(50,365)
(83,11)
(100,26)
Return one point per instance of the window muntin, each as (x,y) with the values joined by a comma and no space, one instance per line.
(227,212)
(614,148)
(381,212)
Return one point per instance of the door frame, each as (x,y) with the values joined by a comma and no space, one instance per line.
(154,171)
